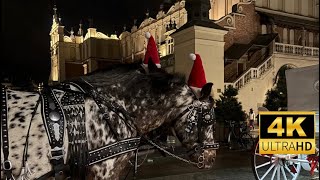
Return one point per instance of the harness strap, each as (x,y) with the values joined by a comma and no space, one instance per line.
(62,175)
(7,166)
(73,106)
(88,88)
(53,118)
(112,150)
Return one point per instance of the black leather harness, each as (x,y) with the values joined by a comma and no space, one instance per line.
(69,112)
(54,123)
(71,108)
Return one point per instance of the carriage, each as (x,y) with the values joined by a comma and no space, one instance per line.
(303,95)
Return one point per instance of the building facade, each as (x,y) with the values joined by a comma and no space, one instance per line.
(245,46)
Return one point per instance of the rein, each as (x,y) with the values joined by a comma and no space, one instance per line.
(25,171)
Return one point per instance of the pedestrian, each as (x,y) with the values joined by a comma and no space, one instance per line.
(252,117)
(246,117)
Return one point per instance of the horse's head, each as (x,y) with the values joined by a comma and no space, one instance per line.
(194,127)
(192,117)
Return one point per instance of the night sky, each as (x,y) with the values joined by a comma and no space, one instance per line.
(25,27)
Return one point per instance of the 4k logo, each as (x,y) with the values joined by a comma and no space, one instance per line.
(287,132)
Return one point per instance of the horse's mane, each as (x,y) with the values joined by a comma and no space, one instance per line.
(132,79)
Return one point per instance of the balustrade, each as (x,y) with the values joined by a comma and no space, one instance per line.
(252,73)
(296,50)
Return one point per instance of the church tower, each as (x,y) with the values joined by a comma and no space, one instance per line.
(56,34)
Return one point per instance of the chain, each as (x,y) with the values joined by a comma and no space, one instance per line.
(145,157)
(169,153)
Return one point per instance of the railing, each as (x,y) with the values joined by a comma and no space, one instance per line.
(296,50)
(252,73)
(167,61)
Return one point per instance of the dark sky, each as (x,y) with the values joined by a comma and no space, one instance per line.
(25,27)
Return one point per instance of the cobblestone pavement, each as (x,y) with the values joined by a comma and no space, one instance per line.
(229,165)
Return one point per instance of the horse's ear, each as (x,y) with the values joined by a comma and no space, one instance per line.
(152,66)
(144,69)
(206,90)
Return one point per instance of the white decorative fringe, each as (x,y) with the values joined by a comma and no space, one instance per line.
(25,173)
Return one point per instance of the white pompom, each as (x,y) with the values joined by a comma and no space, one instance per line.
(192,56)
(148,35)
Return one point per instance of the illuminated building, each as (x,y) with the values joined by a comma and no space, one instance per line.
(248,42)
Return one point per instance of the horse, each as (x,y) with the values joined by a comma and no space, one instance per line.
(131,102)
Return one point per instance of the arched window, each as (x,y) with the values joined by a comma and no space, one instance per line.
(285,36)
(263,29)
(291,36)
(316,40)
(300,41)
(310,39)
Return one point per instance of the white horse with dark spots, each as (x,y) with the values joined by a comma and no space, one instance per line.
(92,126)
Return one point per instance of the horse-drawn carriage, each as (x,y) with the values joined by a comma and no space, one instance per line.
(303,95)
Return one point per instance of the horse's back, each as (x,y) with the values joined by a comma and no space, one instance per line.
(20,105)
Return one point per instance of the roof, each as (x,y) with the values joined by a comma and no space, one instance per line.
(281,19)
(209,24)
(236,51)
(264,39)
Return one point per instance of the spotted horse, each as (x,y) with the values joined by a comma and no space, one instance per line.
(90,127)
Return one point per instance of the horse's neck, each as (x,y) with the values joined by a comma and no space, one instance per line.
(151,112)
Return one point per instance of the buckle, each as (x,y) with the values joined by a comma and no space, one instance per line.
(7,166)
(56,153)
(212,146)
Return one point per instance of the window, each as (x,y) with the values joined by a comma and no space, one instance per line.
(170,46)
(73,53)
(310,39)
(285,35)
(85,69)
(291,36)
(55,70)
(263,29)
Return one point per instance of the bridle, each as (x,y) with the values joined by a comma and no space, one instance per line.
(198,115)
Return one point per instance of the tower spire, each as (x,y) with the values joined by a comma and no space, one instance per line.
(55,14)
(147,14)
(80,31)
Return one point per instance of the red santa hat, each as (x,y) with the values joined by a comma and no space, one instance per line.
(152,52)
(197,78)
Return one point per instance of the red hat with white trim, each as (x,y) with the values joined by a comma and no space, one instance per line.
(152,52)
(197,77)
